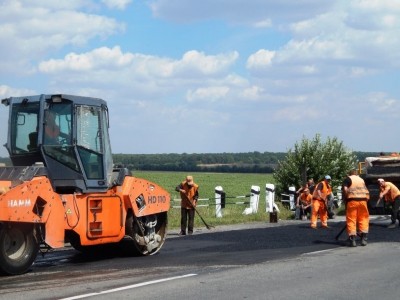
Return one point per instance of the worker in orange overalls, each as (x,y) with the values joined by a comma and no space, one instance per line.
(189,192)
(299,192)
(392,195)
(320,202)
(356,196)
(303,204)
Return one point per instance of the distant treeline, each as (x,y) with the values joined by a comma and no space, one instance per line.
(249,162)
(252,162)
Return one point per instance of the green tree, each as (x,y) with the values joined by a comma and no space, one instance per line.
(314,159)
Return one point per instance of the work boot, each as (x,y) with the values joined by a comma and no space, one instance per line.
(352,241)
(364,239)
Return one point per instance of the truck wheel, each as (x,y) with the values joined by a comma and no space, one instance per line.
(146,234)
(18,248)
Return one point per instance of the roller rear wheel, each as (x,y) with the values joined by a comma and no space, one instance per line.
(146,234)
(18,248)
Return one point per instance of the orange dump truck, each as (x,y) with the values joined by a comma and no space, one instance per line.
(386,167)
(62,186)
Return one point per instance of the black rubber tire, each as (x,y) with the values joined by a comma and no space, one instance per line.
(132,229)
(18,248)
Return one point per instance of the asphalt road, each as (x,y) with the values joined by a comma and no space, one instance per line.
(284,260)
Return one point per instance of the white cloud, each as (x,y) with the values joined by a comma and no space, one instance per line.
(8,91)
(262,58)
(252,93)
(384,104)
(207,64)
(377,5)
(32,30)
(208,94)
(359,72)
(114,74)
(191,65)
(354,40)
(103,57)
(263,23)
(315,49)
(118,4)
(251,11)
(297,114)
(47,4)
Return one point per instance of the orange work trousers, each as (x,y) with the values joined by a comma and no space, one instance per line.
(318,207)
(357,216)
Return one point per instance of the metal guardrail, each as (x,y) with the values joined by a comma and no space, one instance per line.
(213,204)
(254,195)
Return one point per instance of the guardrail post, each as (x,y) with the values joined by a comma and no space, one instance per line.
(218,209)
(254,199)
(339,196)
(292,201)
(270,204)
(289,201)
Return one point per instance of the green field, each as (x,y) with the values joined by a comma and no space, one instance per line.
(233,184)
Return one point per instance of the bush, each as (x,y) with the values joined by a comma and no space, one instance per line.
(314,159)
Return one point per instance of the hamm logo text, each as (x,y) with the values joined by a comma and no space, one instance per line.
(19,203)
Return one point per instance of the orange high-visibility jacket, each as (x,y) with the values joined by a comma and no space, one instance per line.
(191,195)
(305,199)
(357,190)
(325,191)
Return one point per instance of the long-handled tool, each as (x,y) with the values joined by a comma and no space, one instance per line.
(205,223)
(340,232)
(345,225)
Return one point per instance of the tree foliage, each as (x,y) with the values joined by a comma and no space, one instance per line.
(314,159)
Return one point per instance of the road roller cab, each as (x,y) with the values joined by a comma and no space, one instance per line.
(62,186)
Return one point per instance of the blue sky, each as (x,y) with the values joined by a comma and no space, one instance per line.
(213,76)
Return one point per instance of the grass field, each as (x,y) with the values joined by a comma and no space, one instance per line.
(233,184)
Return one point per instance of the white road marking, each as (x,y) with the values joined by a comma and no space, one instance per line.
(317,252)
(127,287)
